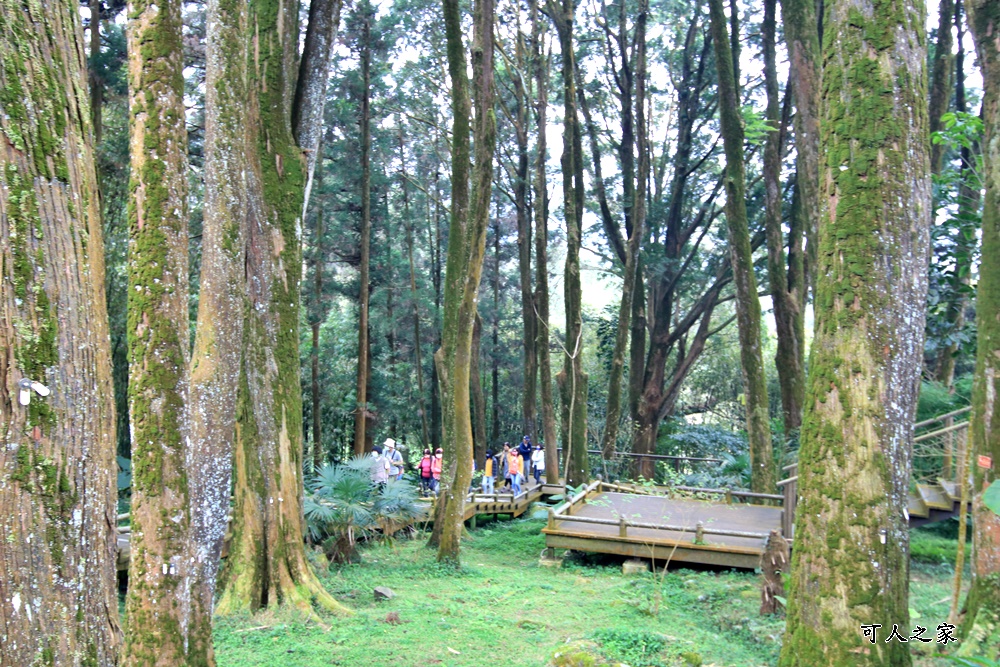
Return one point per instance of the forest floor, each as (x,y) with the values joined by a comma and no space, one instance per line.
(503,609)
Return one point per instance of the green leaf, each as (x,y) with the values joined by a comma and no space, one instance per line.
(783,601)
(991,497)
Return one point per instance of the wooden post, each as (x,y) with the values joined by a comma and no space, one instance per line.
(622,527)
(729,496)
(773,562)
(552,519)
(699,533)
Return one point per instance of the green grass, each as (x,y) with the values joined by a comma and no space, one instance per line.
(503,609)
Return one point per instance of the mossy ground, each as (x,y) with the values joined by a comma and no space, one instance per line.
(502,609)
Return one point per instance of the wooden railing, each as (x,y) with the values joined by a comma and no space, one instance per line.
(564,513)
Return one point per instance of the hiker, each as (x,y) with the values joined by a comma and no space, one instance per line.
(524,449)
(395,459)
(538,463)
(380,467)
(505,465)
(488,476)
(436,470)
(426,477)
(515,465)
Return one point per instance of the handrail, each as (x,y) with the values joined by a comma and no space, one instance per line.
(655,457)
(663,527)
(946,415)
(940,431)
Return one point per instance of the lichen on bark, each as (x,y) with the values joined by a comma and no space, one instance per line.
(850,560)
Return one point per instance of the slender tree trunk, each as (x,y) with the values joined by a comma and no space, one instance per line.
(267,565)
(476,388)
(95,80)
(466,249)
(318,262)
(572,380)
(864,371)
(942,68)
(747,302)
(802,35)
(495,356)
(158,340)
(361,411)
(637,342)
(786,290)
(637,210)
(982,619)
(414,300)
(57,463)
(435,245)
(541,74)
(529,396)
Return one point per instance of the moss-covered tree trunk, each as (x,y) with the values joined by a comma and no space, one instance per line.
(267,565)
(466,250)
(572,379)
(982,617)
(786,276)
(850,562)
(747,301)
(58,601)
(363,374)
(540,72)
(476,390)
(158,339)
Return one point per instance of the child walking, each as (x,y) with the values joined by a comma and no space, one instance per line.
(489,478)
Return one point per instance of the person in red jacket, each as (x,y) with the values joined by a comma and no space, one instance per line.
(436,470)
(426,477)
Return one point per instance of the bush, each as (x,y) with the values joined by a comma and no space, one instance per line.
(638,648)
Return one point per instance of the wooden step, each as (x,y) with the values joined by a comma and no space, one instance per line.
(917,507)
(951,488)
(935,497)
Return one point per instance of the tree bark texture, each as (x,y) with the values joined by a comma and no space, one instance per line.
(747,302)
(157,620)
(548,413)
(466,251)
(982,620)
(572,379)
(58,601)
(787,285)
(476,389)
(850,560)
(267,566)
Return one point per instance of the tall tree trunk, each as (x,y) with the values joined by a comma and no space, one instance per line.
(495,356)
(864,372)
(267,565)
(747,302)
(969,202)
(317,320)
(572,379)
(802,35)
(476,389)
(982,619)
(942,69)
(158,340)
(541,74)
(361,411)
(94,78)
(310,90)
(57,500)
(637,211)
(435,245)
(230,204)
(786,288)
(529,396)
(414,300)
(466,249)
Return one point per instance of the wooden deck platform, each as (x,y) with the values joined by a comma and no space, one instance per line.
(661,528)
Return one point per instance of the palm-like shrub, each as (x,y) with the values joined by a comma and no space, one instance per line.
(344,506)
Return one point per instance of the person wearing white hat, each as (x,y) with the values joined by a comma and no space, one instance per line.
(395,459)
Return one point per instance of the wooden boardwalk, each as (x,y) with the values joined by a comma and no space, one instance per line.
(606,520)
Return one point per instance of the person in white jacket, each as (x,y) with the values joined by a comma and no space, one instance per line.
(538,462)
